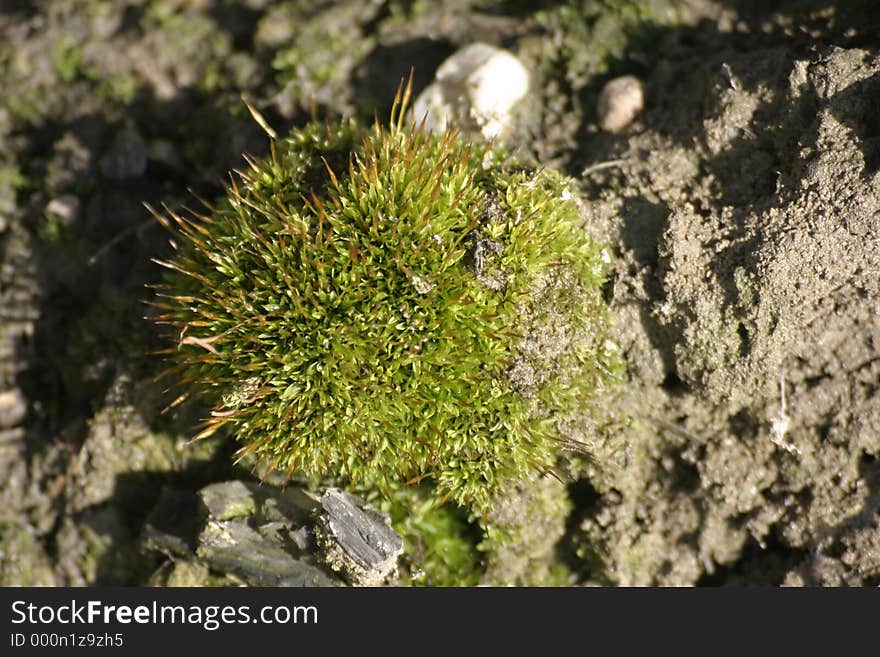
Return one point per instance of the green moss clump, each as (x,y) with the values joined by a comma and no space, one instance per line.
(611,28)
(441,543)
(358,303)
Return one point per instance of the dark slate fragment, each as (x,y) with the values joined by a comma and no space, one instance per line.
(234,547)
(356,540)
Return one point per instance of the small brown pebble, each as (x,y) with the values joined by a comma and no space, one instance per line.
(620,101)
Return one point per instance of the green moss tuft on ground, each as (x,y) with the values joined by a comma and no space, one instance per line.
(359,307)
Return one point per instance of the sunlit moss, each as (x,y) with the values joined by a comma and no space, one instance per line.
(363,302)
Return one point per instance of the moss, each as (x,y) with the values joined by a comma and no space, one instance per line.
(191,43)
(23,561)
(314,50)
(67,58)
(116,88)
(440,543)
(357,305)
(12,180)
(588,36)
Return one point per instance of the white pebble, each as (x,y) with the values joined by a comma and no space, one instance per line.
(476,90)
(13,408)
(64,208)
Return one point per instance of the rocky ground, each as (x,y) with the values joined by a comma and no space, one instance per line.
(742,209)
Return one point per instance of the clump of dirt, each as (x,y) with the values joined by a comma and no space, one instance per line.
(745,212)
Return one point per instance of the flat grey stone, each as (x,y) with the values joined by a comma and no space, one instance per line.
(229,499)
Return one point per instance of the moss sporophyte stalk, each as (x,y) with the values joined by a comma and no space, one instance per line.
(369,305)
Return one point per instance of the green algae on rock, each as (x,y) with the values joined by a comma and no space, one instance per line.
(362,305)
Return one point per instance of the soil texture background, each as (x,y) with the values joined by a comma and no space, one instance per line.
(741,210)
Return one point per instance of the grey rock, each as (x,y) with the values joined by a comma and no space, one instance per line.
(237,531)
(119,444)
(228,500)
(357,540)
(479,250)
(303,538)
(234,547)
